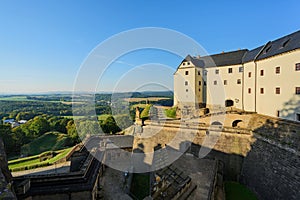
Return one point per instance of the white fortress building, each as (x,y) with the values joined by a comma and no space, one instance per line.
(265,80)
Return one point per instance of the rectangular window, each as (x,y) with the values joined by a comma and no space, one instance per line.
(249,74)
(297,67)
(262,90)
(186,72)
(204,83)
(199,83)
(277,90)
(229,70)
(199,90)
(215,82)
(239,81)
(199,73)
(186,90)
(186,83)
(277,70)
(262,72)
(249,90)
(225,82)
(241,69)
(297,90)
(217,71)
(278,113)
(297,116)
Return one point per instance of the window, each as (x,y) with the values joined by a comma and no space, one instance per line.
(188,63)
(277,90)
(229,70)
(249,74)
(262,72)
(297,66)
(183,63)
(297,116)
(241,69)
(199,83)
(297,90)
(186,83)
(205,73)
(217,71)
(204,83)
(186,72)
(249,90)
(186,90)
(262,90)
(199,73)
(239,81)
(277,70)
(278,113)
(215,82)
(199,90)
(225,82)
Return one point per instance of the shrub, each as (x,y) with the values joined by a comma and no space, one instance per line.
(171,112)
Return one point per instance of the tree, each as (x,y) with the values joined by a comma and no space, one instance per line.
(109,125)
(72,132)
(5,134)
(39,126)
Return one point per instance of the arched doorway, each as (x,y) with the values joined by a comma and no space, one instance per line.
(235,123)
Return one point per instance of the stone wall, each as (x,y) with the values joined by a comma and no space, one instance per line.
(6,191)
(271,172)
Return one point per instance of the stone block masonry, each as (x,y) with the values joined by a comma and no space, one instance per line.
(271,172)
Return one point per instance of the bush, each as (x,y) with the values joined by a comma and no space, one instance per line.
(171,112)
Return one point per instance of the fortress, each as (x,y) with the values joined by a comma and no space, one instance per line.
(265,80)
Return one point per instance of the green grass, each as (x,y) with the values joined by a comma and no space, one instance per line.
(48,142)
(34,161)
(171,112)
(103,117)
(145,112)
(140,185)
(236,191)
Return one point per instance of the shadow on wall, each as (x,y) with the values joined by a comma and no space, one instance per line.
(291,109)
(232,162)
(286,134)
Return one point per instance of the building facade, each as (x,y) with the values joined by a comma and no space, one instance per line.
(265,80)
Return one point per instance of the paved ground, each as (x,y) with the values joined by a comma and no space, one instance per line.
(202,172)
(53,169)
(114,185)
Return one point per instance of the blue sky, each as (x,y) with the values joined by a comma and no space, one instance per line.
(44,43)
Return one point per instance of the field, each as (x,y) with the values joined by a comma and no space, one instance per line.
(145,99)
(48,142)
(14,98)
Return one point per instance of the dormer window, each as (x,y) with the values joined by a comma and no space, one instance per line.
(285,43)
(183,63)
(267,49)
(188,63)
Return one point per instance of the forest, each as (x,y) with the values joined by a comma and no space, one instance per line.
(53,114)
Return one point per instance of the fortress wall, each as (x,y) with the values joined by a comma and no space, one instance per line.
(271,172)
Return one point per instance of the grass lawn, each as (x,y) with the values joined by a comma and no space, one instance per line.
(34,161)
(140,187)
(48,142)
(236,191)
